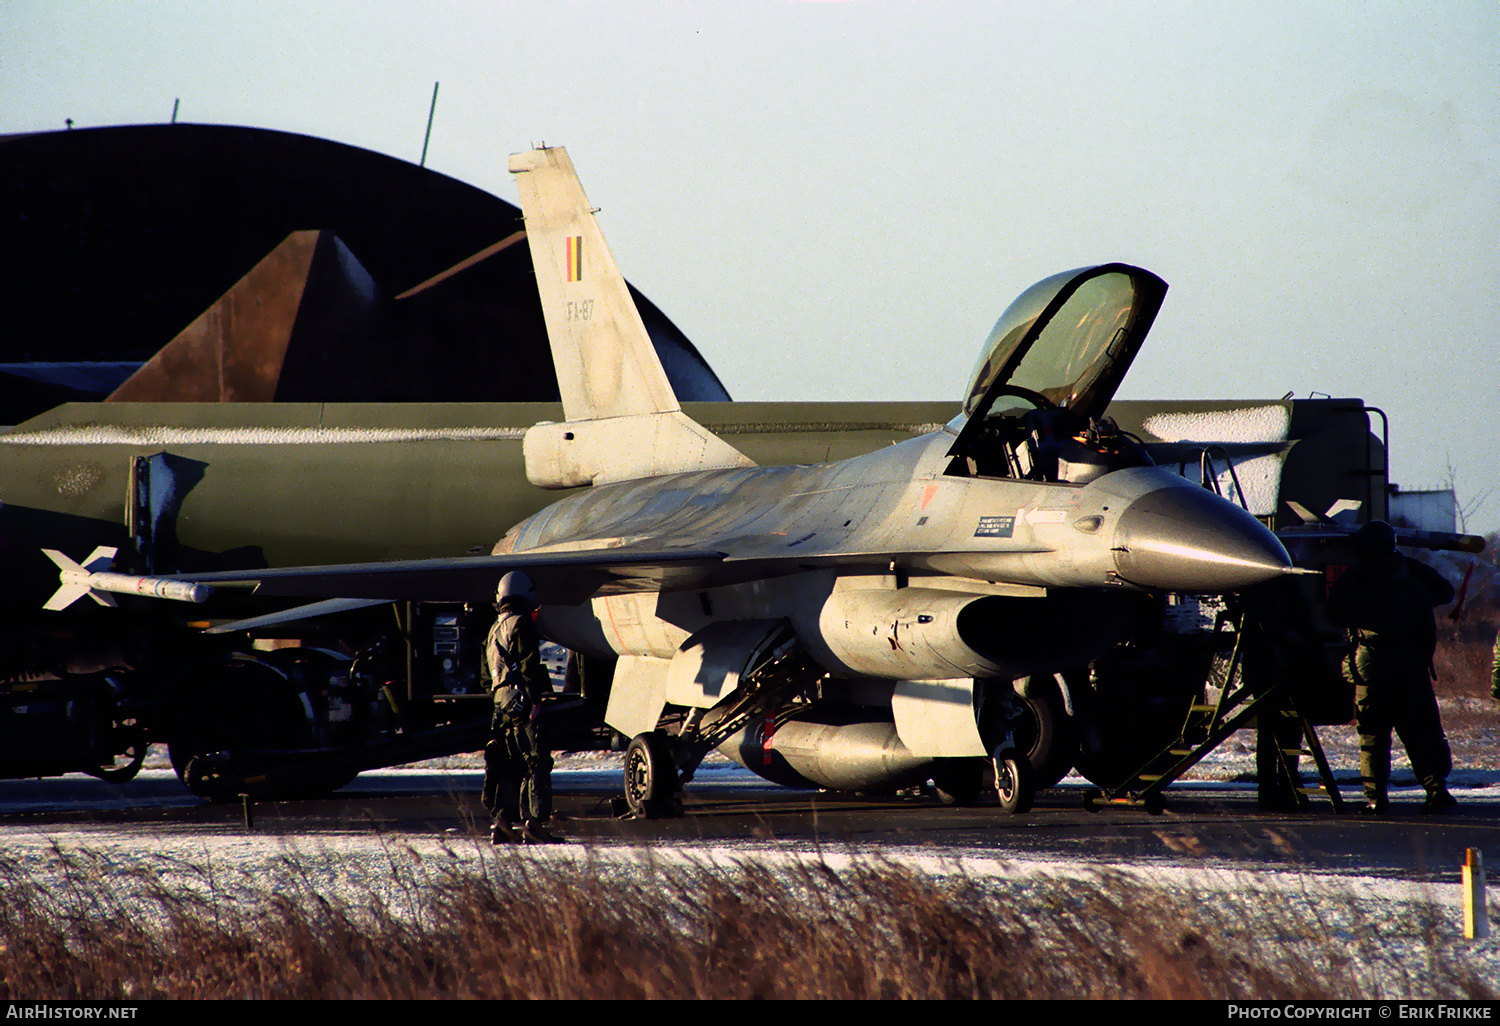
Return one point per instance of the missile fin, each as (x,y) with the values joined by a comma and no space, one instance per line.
(66,596)
(101,559)
(63,562)
(74,577)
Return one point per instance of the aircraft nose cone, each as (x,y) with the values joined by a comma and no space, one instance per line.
(1189,539)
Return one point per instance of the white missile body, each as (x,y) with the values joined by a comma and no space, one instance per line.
(92,578)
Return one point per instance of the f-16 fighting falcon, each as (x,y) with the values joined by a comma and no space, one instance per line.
(855,624)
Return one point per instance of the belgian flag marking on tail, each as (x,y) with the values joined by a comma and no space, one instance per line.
(575,258)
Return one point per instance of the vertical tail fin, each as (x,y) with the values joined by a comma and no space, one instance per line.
(606,365)
(624,421)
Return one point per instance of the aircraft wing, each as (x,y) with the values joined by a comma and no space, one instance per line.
(561,578)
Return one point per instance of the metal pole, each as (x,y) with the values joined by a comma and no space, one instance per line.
(175,102)
(430,112)
(1476,913)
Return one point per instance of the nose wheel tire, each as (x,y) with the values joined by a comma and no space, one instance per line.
(1014,783)
(650,776)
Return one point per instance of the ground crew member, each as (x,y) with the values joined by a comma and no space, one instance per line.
(1274,615)
(518,759)
(1495,670)
(1386,602)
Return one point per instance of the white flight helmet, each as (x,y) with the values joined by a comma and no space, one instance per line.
(515,585)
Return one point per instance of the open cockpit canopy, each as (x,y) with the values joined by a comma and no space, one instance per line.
(1063,345)
(1069,338)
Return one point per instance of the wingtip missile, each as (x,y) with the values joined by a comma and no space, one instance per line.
(92,578)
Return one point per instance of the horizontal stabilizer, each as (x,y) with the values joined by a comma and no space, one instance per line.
(1341,512)
(1304,514)
(590,452)
(1407,537)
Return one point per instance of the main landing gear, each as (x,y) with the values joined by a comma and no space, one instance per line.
(651,776)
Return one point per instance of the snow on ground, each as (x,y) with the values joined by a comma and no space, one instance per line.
(1389,928)
(356,862)
(1410,922)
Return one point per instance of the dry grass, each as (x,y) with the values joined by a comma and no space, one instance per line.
(1463,661)
(510,926)
(1465,651)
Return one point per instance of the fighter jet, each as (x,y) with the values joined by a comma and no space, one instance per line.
(854,624)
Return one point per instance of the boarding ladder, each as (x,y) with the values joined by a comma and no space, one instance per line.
(1208,724)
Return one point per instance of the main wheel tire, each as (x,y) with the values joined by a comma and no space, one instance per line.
(650,776)
(205,780)
(132,756)
(249,702)
(1051,741)
(1013,784)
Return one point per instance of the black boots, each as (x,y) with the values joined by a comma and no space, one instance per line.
(531,832)
(1439,800)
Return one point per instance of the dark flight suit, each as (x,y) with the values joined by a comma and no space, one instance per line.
(1495,671)
(1277,626)
(518,759)
(1278,747)
(1387,605)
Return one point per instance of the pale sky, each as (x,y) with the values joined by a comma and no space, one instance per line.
(836,200)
